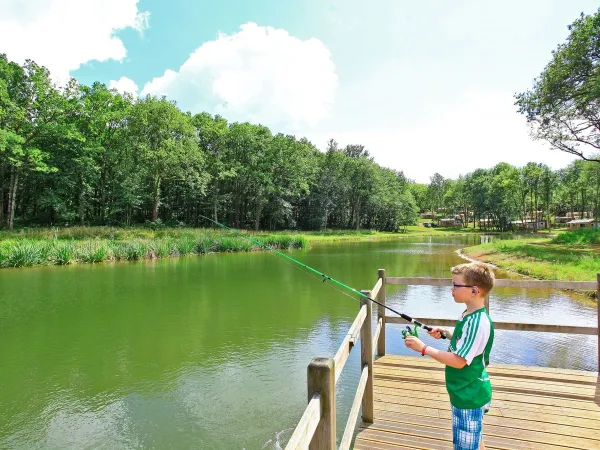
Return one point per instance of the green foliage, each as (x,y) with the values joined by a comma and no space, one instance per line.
(63,253)
(579,237)
(26,253)
(540,258)
(562,106)
(56,247)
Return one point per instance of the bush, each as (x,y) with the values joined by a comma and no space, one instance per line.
(580,236)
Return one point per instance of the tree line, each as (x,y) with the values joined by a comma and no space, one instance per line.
(89,155)
(495,197)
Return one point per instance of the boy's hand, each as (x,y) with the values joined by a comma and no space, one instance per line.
(414,343)
(436,333)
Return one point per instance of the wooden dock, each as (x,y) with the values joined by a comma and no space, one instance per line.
(403,400)
(533,407)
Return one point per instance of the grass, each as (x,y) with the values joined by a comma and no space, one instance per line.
(547,259)
(584,236)
(27,248)
(61,246)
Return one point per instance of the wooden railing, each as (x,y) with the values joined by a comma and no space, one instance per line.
(317,427)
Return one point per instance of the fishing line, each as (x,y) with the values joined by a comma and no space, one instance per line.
(321,276)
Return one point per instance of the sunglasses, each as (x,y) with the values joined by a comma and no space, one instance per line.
(454,286)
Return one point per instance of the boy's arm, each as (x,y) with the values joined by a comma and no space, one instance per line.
(447,358)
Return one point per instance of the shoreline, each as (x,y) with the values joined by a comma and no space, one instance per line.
(36,247)
(537,268)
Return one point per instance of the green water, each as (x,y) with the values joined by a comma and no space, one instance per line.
(211,351)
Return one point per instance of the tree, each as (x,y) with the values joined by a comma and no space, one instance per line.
(408,212)
(563,107)
(166,142)
(436,191)
(30,106)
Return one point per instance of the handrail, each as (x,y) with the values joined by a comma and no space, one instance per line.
(503,282)
(377,332)
(308,424)
(349,430)
(517,326)
(346,347)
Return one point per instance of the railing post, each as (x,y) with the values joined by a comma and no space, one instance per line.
(366,357)
(381,313)
(321,379)
(486,303)
(598,309)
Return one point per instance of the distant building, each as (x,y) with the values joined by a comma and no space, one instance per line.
(450,222)
(528,224)
(427,215)
(583,223)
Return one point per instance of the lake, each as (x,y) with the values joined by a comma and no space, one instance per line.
(211,351)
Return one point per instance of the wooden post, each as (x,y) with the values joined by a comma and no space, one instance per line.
(598,309)
(487,303)
(381,313)
(321,379)
(366,357)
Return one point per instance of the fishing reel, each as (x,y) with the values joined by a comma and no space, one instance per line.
(409,332)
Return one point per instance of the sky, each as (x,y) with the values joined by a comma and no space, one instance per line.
(426,87)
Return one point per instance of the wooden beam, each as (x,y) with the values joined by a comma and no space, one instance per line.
(321,380)
(535,284)
(381,313)
(570,329)
(366,359)
(306,427)
(375,290)
(346,347)
(350,424)
(378,330)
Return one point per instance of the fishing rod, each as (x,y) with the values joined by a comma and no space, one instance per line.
(324,277)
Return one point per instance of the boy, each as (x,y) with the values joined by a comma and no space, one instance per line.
(468,355)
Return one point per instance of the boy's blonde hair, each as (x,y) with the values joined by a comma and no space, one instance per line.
(476,274)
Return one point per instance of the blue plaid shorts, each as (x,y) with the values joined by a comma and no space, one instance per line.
(467,427)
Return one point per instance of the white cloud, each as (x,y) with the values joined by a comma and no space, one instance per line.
(63,34)
(482,130)
(260,74)
(123,85)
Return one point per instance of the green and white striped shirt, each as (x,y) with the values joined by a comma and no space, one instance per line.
(472,339)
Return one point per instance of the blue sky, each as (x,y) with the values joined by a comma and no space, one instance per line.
(426,86)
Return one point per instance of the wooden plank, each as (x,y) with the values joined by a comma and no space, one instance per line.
(515,326)
(438,377)
(443,437)
(349,430)
(551,405)
(584,393)
(387,402)
(306,427)
(366,437)
(499,371)
(366,359)
(351,337)
(502,282)
(376,335)
(424,362)
(381,298)
(419,424)
(376,288)
(537,432)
